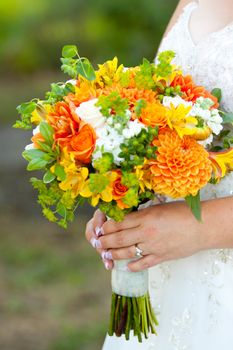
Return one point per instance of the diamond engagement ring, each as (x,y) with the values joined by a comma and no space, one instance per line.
(138,252)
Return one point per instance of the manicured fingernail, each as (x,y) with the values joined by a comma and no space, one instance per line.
(95,243)
(98,231)
(107,265)
(107,255)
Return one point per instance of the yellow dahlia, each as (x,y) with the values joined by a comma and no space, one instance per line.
(182,166)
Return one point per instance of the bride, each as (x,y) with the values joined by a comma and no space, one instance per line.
(191,263)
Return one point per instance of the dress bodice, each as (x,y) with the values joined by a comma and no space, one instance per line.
(210,62)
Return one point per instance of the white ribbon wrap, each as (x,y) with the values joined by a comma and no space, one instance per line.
(127,283)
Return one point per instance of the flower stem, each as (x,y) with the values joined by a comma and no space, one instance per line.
(132,314)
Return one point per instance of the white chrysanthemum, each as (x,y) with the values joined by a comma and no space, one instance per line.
(90,113)
(175,101)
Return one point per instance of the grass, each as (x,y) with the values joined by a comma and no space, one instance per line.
(54,291)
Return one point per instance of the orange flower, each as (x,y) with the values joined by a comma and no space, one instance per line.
(64,121)
(154,114)
(182,166)
(191,91)
(119,190)
(83,143)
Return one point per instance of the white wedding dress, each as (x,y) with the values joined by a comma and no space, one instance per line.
(193,297)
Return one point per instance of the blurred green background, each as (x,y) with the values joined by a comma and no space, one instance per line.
(54,291)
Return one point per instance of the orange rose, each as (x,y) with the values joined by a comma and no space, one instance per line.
(119,190)
(154,114)
(64,121)
(83,144)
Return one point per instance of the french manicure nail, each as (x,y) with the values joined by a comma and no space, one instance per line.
(107,265)
(95,243)
(98,231)
(107,255)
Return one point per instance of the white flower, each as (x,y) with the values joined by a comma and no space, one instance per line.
(175,101)
(215,122)
(71,81)
(36,130)
(204,103)
(197,111)
(133,129)
(210,117)
(30,146)
(91,114)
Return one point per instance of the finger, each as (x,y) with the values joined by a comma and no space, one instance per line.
(131,220)
(144,263)
(91,237)
(125,253)
(119,254)
(89,230)
(108,264)
(121,239)
(98,220)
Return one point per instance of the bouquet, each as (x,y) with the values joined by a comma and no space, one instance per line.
(118,137)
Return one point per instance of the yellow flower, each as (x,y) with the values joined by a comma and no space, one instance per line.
(222,162)
(178,119)
(39,114)
(109,73)
(75,181)
(75,175)
(144,182)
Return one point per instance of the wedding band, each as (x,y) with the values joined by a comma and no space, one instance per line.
(138,252)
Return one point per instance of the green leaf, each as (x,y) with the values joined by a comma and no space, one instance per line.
(98,183)
(26,108)
(85,68)
(48,177)
(61,210)
(217,93)
(140,105)
(60,172)
(69,51)
(44,147)
(37,164)
(36,154)
(227,118)
(194,203)
(47,132)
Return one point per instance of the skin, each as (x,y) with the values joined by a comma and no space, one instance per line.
(169,231)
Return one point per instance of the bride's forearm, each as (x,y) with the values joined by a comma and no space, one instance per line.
(217,223)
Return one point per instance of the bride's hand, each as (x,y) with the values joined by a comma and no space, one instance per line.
(162,232)
(93,232)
